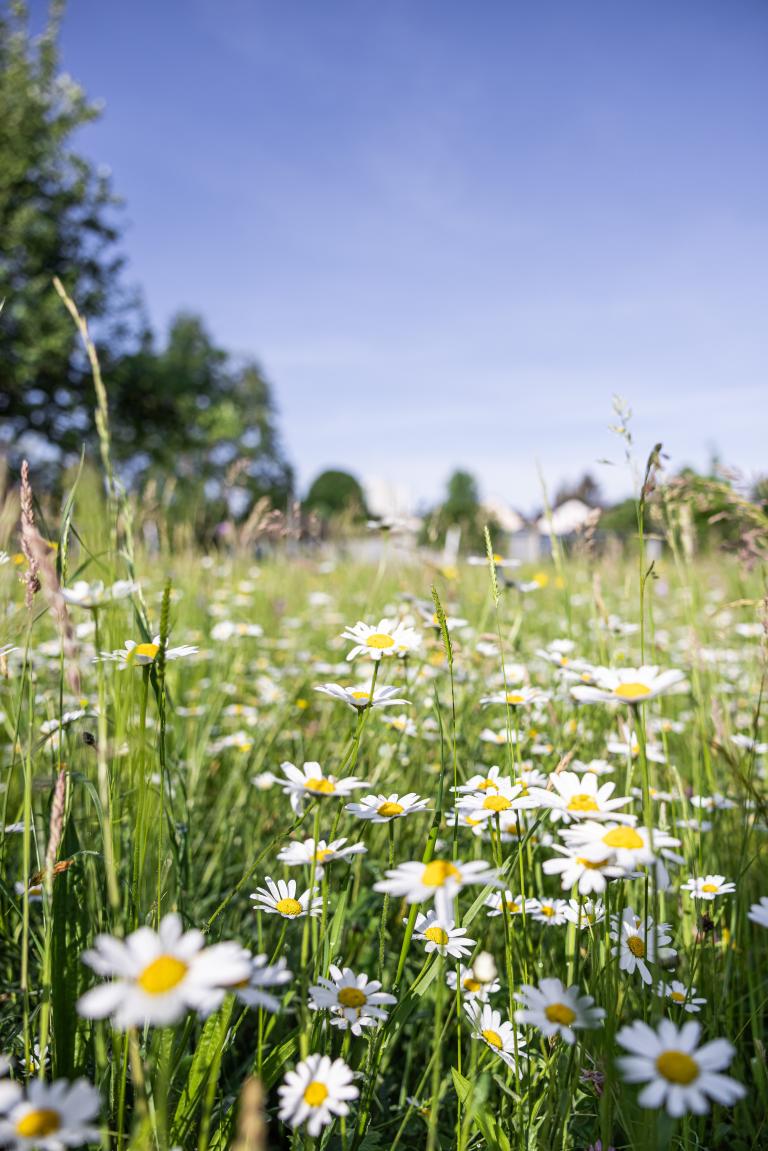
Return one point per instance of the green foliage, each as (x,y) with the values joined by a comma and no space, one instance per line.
(55,220)
(336,493)
(461,508)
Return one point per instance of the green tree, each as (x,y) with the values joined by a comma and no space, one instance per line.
(336,493)
(191,410)
(56,219)
(461,508)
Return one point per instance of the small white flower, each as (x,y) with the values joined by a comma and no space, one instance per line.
(470,985)
(758,912)
(161,975)
(315,1092)
(497,1033)
(549,911)
(639,943)
(388,638)
(310,782)
(355,1001)
(96,594)
(306,853)
(575,797)
(359,698)
(680,995)
(142,654)
(385,808)
(556,1009)
(279,898)
(263,974)
(515,904)
(680,1076)
(631,685)
(440,879)
(51,1117)
(442,935)
(708,887)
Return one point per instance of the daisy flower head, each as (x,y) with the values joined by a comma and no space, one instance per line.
(549,911)
(515,697)
(385,808)
(307,853)
(50,1116)
(359,698)
(491,804)
(708,887)
(389,637)
(490,780)
(157,976)
(627,847)
(354,1001)
(632,685)
(679,1075)
(96,594)
(758,912)
(280,898)
(315,1092)
(574,866)
(573,797)
(682,996)
(309,782)
(585,912)
(515,904)
(143,654)
(442,935)
(440,879)
(639,942)
(555,1009)
(471,985)
(497,1033)
(263,974)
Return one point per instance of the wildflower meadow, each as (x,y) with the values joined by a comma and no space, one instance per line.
(303,851)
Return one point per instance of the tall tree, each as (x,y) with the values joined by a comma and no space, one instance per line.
(56,219)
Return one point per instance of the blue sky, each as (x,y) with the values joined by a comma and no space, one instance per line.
(451,231)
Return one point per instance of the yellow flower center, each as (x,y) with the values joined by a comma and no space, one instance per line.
(436,935)
(710,887)
(162,975)
(515,698)
(583,802)
(471,985)
(636,946)
(288,906)
(315,1094)
(631,691)
(38,1123)
(380,641)
(513,907)
(436,874)
(352,997)
(588,865)
(560,1013)
(487,784)
(497,803)
(389,808)
(322,855)
(677,996)
(563,661)
(326,786)
(624,837)
(677,1067)
(360,694)
(493,1039)
(146,650)
(547,909)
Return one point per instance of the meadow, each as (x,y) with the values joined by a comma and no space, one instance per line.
(493,882)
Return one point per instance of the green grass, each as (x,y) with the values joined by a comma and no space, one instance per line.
(162,814)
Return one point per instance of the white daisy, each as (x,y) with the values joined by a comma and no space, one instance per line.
(134,654)
(515,904)
(639,943)
(680,1076)
(574,867)
(574,797)
(97,594)
(51,1116)
(631,685)
(549,911)
(498,1034)
(442,935)
(388,638)
(262,974)
(492,780)
(682,996)
(440,880)
(556,1009)
(310,782)
(159,976)
(354,1001)
(515,697)
(470,985)
(708,887)
(585,912)
(279,898)
(305,854)
(385,808)
(315,1092)
(758,912)
(359,698)
(488,805)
